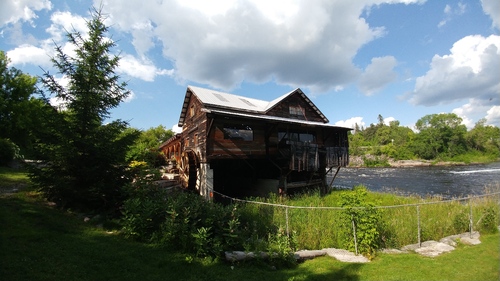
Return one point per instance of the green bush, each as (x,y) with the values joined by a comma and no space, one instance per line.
(488,222)
(366,220)
(461,222)
(8,151)
(144,211)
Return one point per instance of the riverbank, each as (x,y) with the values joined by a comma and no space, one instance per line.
(359,161)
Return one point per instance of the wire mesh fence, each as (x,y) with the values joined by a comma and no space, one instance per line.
(318,227)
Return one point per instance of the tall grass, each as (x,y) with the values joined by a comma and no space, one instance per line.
(317,228)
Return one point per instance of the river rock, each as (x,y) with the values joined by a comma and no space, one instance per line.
(308,254)
(434,249)
(464,238)
(241,255)
(346,256)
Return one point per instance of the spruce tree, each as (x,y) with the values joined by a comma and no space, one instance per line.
(85,156)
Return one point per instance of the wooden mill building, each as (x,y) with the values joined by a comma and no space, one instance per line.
(240,146)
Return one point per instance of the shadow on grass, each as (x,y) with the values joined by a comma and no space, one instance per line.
(42,243)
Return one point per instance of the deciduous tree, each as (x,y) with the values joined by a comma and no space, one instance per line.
(19,110)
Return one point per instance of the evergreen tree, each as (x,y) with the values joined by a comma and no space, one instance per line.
(85,168)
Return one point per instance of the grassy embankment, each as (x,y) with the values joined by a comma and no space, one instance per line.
(41,243)
(317,229)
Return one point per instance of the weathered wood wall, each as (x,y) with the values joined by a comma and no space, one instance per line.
(295,100)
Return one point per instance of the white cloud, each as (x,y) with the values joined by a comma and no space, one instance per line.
(377,75)
(131,97)
(464,111)
(144,70)
(309,44)
(492,8)
(64,22)
(493,116)
(351,123)
(176,129)
(469,71)
(388,120)
(450,12)
(29,54)
(21,10)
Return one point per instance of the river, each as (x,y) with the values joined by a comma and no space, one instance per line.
(445,181)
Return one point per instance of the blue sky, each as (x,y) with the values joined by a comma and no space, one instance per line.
(355,59)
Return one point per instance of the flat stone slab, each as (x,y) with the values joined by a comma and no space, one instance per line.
(434,249)
(346,256)
(393,251)
(464,238)
(309,254)
(413,247)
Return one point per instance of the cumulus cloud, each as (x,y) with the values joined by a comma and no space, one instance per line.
(303,43)
(144,70)
(176,129)
(29,54)
(351,122)
(491,8)
(21,10)
(469,71)
(466,110)
(377,75)
(388,120)
(493,116)
(64,22)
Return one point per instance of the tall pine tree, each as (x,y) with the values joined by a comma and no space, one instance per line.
(85,168)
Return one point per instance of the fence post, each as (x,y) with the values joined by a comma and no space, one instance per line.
(471,220)
(286,216)
(418,226)
(354,232)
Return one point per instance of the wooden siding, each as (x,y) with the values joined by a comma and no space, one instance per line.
(220,147)
(295,100)
(194,131)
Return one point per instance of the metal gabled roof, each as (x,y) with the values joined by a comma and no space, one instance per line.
(220,100)
(278,119)
(225,100)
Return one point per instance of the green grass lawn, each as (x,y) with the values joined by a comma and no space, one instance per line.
(38,242)
(12,177)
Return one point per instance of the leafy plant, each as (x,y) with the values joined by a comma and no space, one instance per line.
(144,211)
(281,247)
(489,220)
(461,222)
(8,151)
(362,220)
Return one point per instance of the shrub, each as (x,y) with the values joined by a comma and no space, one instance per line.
(489,220)
(201,227)
(8,151)
(366,220)
(461,222)
(144,210)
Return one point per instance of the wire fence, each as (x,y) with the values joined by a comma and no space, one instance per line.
(414,222)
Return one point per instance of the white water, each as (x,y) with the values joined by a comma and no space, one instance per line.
(476,171)
(454,181)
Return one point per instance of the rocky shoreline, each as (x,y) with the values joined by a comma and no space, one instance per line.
(358,162)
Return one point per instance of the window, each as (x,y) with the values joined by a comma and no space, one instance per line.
(297,112)
(297,137)
(238,132)
(192,111)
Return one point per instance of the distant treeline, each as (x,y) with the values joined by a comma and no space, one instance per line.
(437,137)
